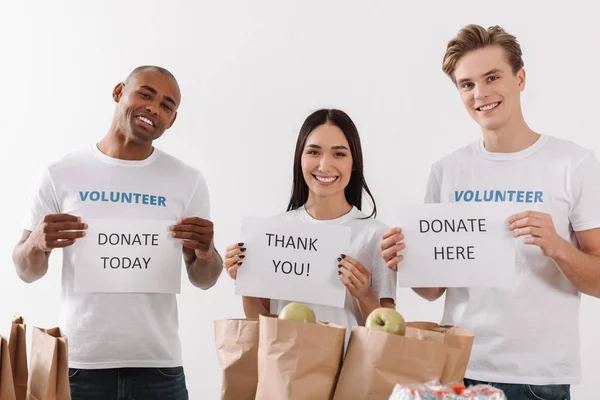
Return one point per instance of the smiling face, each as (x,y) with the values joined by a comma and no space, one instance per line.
(488,88)
(326,161)
(147,105)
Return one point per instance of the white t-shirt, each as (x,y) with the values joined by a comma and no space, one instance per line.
(530,333)
(364,247)
(114,330)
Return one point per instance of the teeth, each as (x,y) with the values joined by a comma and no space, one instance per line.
(146,120)
(326,180)
(488,107)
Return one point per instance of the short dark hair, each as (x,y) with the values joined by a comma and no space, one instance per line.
(143,68)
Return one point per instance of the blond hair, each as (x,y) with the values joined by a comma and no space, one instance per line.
(473,37)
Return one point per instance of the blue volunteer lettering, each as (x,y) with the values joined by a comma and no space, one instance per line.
(123,197)
(495,196)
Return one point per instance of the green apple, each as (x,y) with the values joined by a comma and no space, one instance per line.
(386,320)
(298,312)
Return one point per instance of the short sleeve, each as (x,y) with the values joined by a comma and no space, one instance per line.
(199,205)
(383,279)
(584,188)
(43,202)
(432,191)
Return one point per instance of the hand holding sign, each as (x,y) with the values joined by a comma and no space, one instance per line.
(57,231)
(233,259)
(196,236)
(391,243)
(354,276)
(540,230)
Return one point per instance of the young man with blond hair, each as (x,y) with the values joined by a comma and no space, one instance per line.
(526,337)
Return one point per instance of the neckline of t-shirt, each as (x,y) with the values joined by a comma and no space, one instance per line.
(517,155)
(124,163)
(305,215)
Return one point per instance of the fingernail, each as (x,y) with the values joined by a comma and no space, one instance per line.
(172,227)
(343,256)
(339,265)
(241,256)
(339,259)
(85,226)
(82,234)
(339,272)
(243,249)
(240,263)
(240,244)
(173,234)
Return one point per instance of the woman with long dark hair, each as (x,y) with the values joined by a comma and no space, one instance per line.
(328,188)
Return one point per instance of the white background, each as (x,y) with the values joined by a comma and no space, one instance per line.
(250,72)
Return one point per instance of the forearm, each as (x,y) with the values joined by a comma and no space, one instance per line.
(31,263)
(581,269)
(204,273)
(430,294)
(255,306)
(368,303)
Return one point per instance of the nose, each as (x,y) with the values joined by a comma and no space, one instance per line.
(481,92)
(325,163)
(152,108)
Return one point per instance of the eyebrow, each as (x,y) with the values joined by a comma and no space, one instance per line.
(490,72)
(316,146)
(153,91)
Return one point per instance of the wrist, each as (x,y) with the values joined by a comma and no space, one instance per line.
(367,296)
(33,250)
(563,251)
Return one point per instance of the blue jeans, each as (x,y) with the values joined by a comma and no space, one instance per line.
(529,392)
(128,384)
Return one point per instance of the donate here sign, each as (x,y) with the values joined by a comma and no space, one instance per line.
(457,245)
(291,260)
(128,255)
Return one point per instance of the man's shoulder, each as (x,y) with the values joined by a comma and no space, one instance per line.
(71,159)
(456,157)
(175,163)
(566,149)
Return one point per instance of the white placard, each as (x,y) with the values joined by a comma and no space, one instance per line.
(290,260)
(457,245)
(128,255)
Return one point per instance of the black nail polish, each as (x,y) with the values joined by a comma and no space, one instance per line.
(343,256)
(339,272)
(240,244)
(243,249)
(339,265)
(240,263)
(339,259)
(242,256)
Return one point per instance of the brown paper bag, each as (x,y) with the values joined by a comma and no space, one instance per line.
(17,345)
(459,342)
(237,349)
(7,387)
(49,369)
(298,360)
(376,361)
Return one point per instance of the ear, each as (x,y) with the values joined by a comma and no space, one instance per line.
(522,78)
(173,120)
(118,92)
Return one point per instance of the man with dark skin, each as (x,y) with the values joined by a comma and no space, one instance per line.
(123,344)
